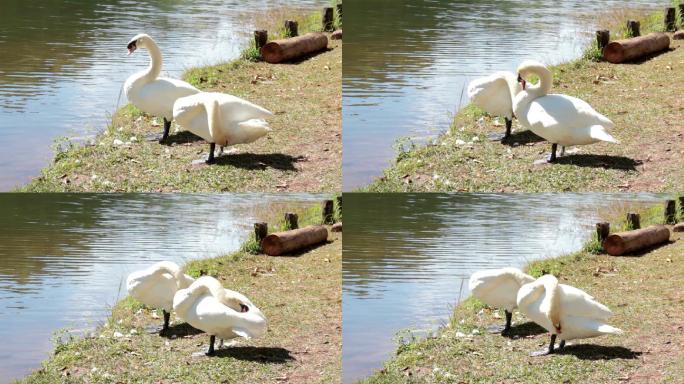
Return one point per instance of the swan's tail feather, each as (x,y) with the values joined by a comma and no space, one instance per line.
(598,132)
(605,328)
(253,129)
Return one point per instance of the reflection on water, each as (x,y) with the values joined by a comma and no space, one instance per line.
(406,63)
(406,256)
(63,63)
(64,257)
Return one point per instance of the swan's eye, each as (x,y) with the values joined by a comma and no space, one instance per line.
(244,308)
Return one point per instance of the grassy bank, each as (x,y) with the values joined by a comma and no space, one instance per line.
(644,293)
(302,153)
(300,296)
(640,98)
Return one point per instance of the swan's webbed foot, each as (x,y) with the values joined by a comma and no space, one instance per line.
(547,351)
(167,128)
(212,148)
(212,340)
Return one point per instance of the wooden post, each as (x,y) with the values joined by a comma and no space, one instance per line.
(670,212)
(260,231)
(339,10)
(681,207)
(291,220)
(602,231)
(681,15)
(328,213)
(633,221)
(291,27)
(631,241)
(260,38)
(328,19)
(602,38)
(669,19)
(633,28)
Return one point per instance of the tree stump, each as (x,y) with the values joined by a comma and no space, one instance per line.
(633,221)
(633,28)
(291,28)
(602,231)
(669,19)
(328,19)
(328,212)
(260,38)
(291,220)
(602,38)
(260,231)
(670,212)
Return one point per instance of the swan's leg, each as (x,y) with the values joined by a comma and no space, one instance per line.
(220,343)
(167,128)
(221,148)
(502,329)
(167,317)
(548,351)
(509,124)
(212,148)
(562,150)
(554,147)
(509,317)
(561,345)
(212,340)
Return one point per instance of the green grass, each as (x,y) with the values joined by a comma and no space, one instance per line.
(300,296)
(636,97)
(302,153)
(643,292)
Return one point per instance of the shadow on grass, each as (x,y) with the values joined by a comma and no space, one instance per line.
(598,352)
(646,250)
(252,161)
(274,355)
(529,328)
(521,138)
(182,137)
(181,330)
(599,161)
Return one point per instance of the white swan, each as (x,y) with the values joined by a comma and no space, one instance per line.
(150,93)
(221,119)
(499,288)
(156,285)
(209,307)
(560,119)
(494,94)
(565,311)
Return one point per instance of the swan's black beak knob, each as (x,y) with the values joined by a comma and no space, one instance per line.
(132,47)
(522,81)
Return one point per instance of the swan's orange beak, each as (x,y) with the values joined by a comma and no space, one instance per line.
(131,47)
(522,81)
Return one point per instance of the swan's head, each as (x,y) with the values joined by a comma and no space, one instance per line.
(529,67)
(139,41)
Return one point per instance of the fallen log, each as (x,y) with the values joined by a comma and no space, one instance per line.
(620,51)
(622,243)
(679,35)
(679,227)
(337,227)
(287,49)
(280,243)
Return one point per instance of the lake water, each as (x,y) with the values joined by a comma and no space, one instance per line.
(64,258)
(407,63)
(407,257)
(63,63)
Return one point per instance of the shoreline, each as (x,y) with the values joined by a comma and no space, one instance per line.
(616,281)
(312,313)
(647,158)
(300,154)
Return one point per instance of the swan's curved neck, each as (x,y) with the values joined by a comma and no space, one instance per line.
(155,67)
(545,80)
(552,298)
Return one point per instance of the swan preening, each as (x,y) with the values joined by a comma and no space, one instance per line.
(156,285)
(559,119)
(150,93)
(221,119)
(494,94)
(207,306)
(499,288)
(566,312)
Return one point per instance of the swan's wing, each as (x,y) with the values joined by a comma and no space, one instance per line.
(497,287)
(562,111)
(492,94)
(236,109)
(576,302)
(178,84)
(158,97)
